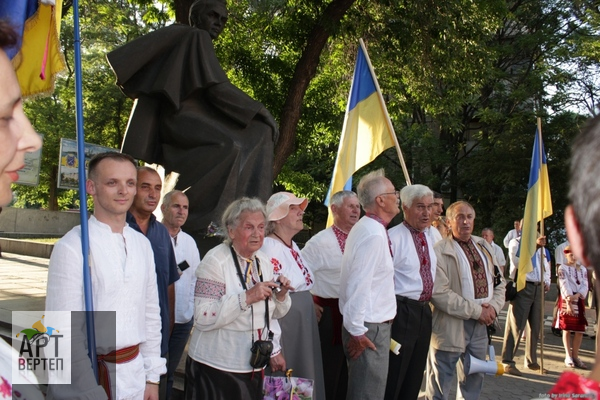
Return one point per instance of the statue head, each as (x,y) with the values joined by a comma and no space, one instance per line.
(209,15)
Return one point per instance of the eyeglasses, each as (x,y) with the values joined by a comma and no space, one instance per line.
(567,251)
(395,192)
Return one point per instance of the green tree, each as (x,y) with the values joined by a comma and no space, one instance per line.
(104,25)
(463,80)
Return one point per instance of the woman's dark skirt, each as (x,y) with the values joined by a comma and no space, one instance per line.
(208,383)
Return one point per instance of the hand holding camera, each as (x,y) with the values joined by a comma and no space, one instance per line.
(263,290)
(259,292)
(282,286)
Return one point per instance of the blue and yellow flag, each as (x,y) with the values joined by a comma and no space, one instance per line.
(38,58)
(537,207)
(366,131)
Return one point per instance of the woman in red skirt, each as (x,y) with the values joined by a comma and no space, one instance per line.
(571,316)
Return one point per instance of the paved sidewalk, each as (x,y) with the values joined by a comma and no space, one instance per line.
(23,282)
(23,288)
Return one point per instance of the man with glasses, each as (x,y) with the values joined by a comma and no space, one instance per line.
(367,299)
(414,273)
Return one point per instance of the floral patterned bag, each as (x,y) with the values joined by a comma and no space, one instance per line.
(287,387)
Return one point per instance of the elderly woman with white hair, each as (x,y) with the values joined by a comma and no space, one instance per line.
(296,342)
(236,298)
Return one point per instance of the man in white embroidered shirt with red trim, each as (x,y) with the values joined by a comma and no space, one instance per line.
(414,274)
(323,252)
(123,281)
(367,299)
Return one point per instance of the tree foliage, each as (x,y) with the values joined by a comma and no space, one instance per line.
(464,81)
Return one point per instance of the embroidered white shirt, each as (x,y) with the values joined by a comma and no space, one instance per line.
(322,252)
(407,267)
(124,281)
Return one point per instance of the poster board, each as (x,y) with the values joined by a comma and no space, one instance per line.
(30,174)
(68,163)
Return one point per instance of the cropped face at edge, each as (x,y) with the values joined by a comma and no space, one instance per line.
(17,136)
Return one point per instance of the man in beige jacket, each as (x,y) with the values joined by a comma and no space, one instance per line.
(465,301)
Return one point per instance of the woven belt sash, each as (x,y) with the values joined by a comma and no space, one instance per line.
(115,357)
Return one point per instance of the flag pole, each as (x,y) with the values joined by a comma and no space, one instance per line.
(542,256)
(85,243)
(387,116)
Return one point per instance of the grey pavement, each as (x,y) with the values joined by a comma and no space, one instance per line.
(23,282)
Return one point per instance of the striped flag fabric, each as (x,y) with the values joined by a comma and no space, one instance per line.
(366,132)
(537,207)
(38,57)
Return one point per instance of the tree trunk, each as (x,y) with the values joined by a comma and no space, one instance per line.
(303,74)
(305,71)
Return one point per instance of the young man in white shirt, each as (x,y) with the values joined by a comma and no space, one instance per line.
(123,282)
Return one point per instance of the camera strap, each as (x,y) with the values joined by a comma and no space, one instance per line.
(243,281)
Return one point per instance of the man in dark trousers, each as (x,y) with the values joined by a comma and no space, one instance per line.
(414,273)
(141,219)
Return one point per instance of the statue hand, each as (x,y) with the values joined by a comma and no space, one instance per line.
(269,120)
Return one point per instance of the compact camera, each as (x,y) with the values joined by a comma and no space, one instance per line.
(261,353)
(278,288)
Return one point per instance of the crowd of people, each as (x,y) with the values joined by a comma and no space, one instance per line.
(257,304)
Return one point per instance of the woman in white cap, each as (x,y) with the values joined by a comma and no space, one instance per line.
(296,344)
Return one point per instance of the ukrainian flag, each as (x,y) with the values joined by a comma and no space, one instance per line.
(537,207)
(366,132)
(39,58)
